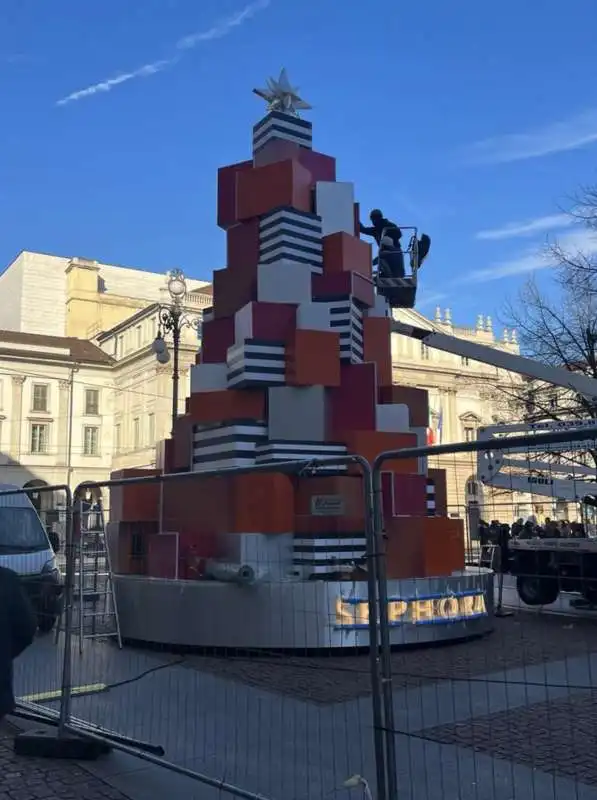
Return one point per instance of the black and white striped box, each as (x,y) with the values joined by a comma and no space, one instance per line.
(277,125)
(256,362)
(226,445)
(288,234)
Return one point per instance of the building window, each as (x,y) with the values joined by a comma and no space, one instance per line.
(40,396)
(120,347)
(139,336)
(40,437)
(470,433)
(92,402)
(424,351)
(90,440)
(464,361)
(151,428)
(117,438)
(136,433)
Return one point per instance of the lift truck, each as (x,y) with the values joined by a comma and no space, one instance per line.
(543,567)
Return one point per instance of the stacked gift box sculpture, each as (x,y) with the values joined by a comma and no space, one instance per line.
(295,363)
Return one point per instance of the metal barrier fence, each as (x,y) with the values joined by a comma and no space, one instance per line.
(499,716)
(505,715)
(263,720)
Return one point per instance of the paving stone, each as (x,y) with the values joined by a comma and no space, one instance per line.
(522,640)
(558,736)
(42,779)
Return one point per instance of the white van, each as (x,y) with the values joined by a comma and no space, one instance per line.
(26,549)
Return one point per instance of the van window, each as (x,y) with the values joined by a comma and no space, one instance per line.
(21,531)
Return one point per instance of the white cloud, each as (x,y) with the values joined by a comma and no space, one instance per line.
(110,83)
(224,27)
(580,241)
(218,31)
(515,229)
(556,137)
(425,299)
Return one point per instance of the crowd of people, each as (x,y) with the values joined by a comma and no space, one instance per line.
(494,532)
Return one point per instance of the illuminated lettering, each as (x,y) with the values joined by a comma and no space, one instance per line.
(449,607)
(396,610)
(354,613)
(422,611)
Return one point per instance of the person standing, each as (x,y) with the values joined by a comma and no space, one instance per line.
(17,630)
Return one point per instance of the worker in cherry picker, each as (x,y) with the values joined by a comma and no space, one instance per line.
(387,235)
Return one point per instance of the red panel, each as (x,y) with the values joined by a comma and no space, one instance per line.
(162,556)
(232,291)
(313,358)
(321,167)
(352,404)
(217,336)
(357,219)
(227,404)
(137,502)
(242,243)
(417,401)
(377,344)
(387,494)
(273,321)
(285,183)
(227,192)
(345,253)
(183,444)
(410,495)
(438,476)
(343,284)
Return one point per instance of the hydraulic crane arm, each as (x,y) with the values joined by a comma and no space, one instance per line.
(583,385)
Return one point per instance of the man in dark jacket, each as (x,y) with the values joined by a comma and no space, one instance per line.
(379,224)
(17,629)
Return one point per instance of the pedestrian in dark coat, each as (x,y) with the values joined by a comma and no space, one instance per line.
(17,629)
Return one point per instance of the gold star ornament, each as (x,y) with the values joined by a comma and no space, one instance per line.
(281,96)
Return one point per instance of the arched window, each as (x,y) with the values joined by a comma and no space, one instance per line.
(472,489)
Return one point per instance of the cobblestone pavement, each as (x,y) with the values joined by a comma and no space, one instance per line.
(42,779)
(525,639)
(559,736)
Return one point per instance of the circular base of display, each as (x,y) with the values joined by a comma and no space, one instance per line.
(301,616)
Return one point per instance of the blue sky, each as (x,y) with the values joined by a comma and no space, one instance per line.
(475,121)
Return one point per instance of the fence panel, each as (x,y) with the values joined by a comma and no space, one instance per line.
(511,713)
(253,682)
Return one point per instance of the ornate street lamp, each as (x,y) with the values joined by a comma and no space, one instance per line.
(172,319)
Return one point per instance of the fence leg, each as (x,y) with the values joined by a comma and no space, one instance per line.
(376,693)
(503,552)
(384,638)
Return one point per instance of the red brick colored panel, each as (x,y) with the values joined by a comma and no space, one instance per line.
(232,291)
(348,487)
(285,183)
(228,404)
(343,284)
(410,495)
(417,401)
(137,502)
(357,219)
(162,556)
(242,247)
(313,358)
(345,253)
(371,443)
(274,322)
(424,547)
(353,403)
(377,341)
(321,167)
(227,192)
(216,337)
(438,476)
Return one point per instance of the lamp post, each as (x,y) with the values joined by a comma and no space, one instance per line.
(172,319)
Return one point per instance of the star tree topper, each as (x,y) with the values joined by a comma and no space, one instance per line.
(281,96)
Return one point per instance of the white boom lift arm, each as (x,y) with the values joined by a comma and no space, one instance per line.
(489,464)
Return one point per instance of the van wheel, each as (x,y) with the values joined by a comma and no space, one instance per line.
(535,591)
(46,622)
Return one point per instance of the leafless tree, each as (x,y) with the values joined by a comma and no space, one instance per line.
(558,326)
